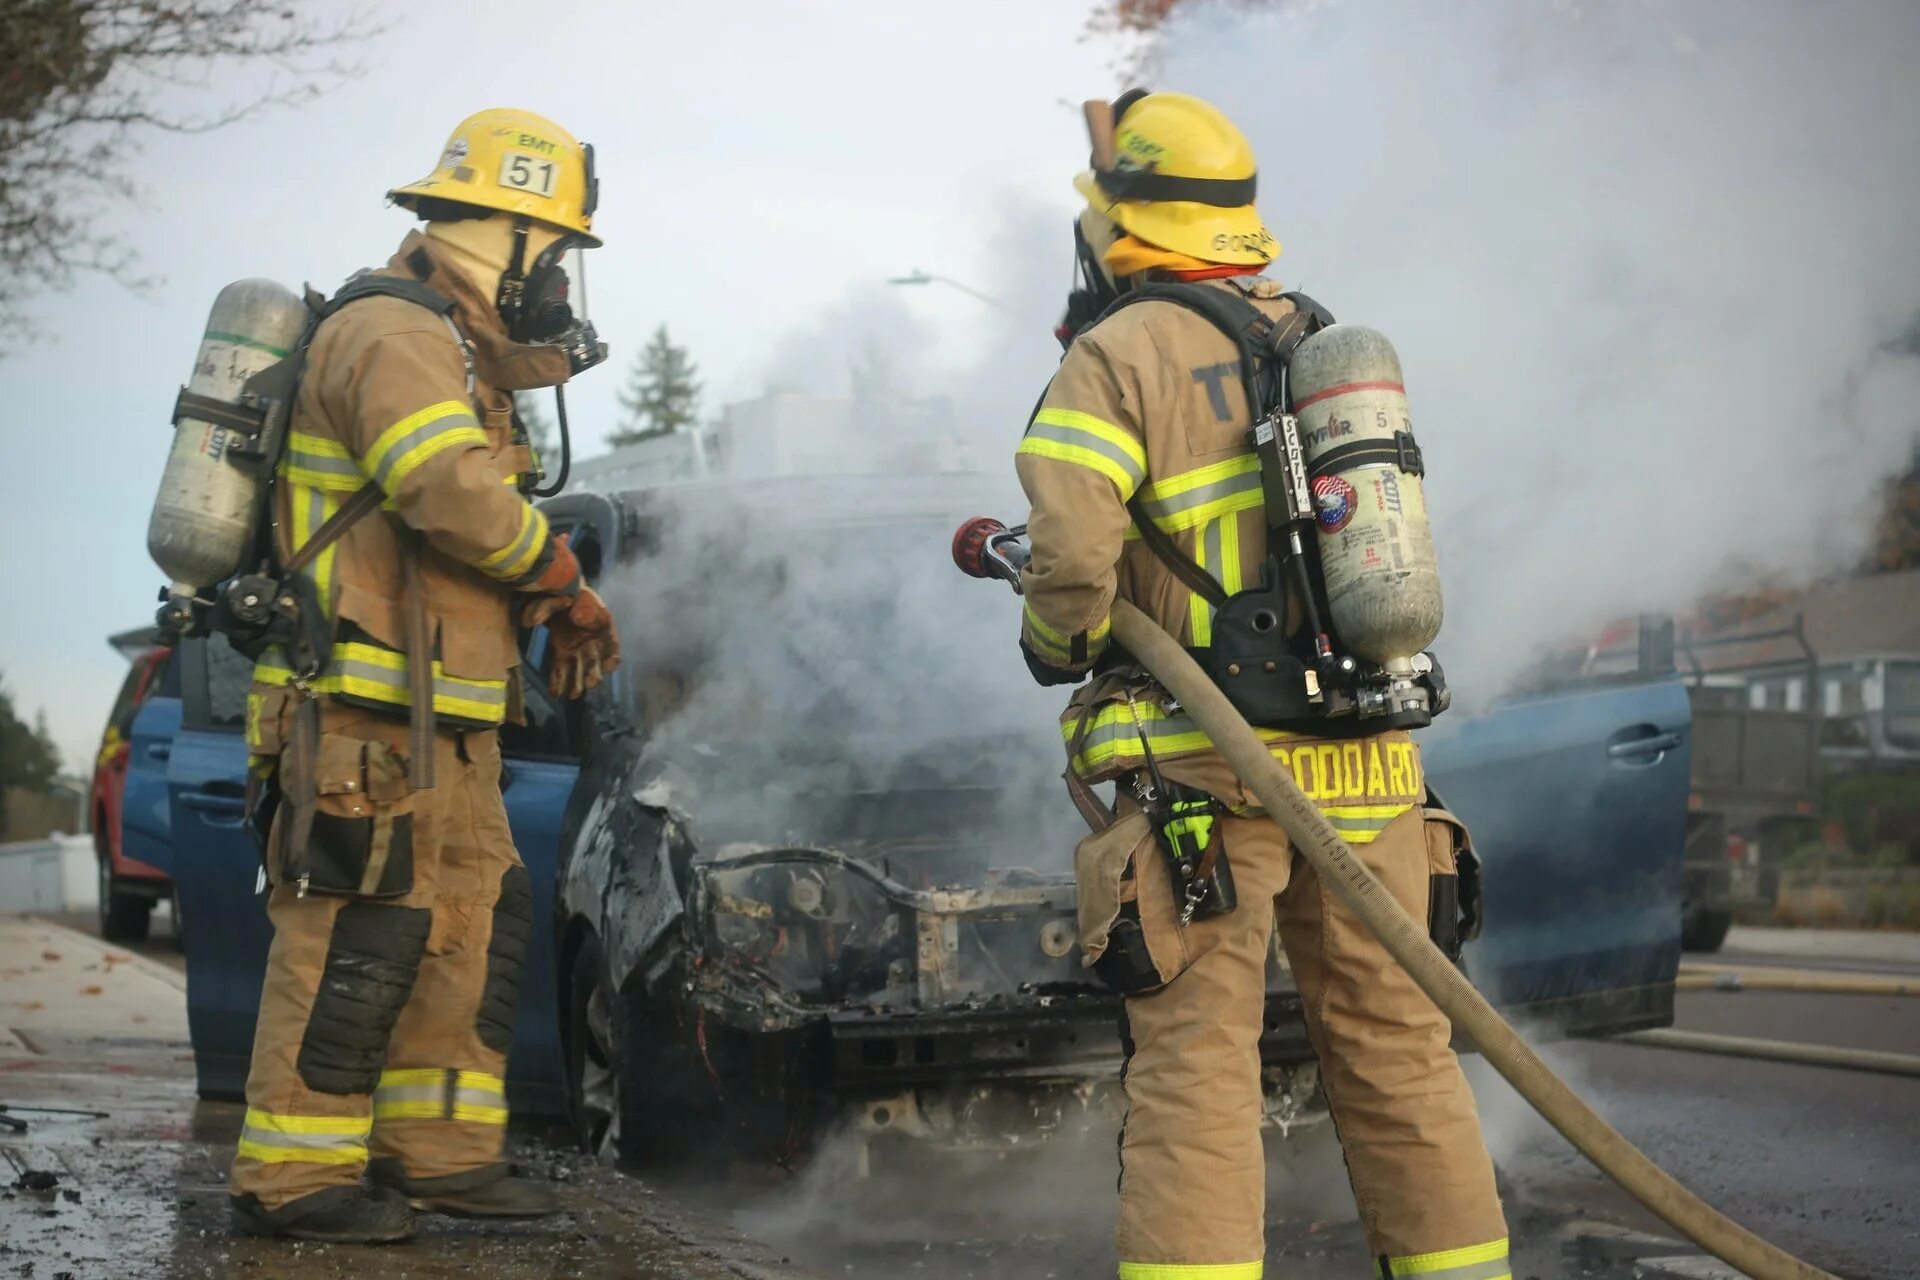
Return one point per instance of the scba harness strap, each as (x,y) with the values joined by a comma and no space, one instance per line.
(280,605)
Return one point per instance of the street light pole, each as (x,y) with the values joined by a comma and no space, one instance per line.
(918,276)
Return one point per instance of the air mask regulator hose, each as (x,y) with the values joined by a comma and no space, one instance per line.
(1408,942)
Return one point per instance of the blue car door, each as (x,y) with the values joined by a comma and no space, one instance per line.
(146,825)
(538,780)
(215,865)
(1577,803)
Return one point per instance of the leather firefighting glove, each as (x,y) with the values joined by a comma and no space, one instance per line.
(581,633)
(561,577)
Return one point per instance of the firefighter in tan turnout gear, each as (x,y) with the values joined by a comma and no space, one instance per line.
(401,911)
(1147,421)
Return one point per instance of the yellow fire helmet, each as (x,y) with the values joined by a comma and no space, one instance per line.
(1182,179)
(516,162)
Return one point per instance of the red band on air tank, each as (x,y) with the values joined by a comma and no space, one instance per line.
(1344,388)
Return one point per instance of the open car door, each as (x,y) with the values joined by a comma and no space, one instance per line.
(1576,796)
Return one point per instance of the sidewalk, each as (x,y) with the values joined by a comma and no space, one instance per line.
(1853,947)
(121,1170)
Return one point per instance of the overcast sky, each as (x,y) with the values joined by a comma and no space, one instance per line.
(765,164)
(1644,260)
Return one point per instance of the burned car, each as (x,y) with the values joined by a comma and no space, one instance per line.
(818,865)
(816,868)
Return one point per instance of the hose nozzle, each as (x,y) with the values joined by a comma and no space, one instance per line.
(985,548)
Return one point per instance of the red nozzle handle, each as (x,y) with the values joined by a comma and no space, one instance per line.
(970,545)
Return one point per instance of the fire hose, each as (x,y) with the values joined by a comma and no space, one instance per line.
(1407,941)
(985,548)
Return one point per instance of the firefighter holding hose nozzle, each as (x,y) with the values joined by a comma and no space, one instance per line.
(1221,454)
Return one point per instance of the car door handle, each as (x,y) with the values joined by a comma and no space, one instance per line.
(1635,748)
(220,811)
(159,750)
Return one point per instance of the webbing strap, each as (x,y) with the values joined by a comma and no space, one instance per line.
(1178,562)
(1259,339)
(364,499)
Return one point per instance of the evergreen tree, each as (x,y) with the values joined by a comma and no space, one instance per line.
(662,395)
(28,758)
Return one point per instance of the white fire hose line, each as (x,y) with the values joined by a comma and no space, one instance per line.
(1726,977)
(1409,945)
(1817,1055)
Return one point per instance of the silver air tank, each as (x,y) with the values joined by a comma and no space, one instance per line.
(203,519)
(1370,509)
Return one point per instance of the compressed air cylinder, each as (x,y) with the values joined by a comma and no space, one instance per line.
(203,519)
(1370,507)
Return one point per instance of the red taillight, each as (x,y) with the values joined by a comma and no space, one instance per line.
(1736,849)
(1693,801)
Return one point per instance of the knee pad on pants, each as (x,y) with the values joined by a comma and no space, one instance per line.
(506,955)
(372,960)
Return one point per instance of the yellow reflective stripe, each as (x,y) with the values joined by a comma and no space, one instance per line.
(1230,574)
(1067,435)
(256,703)
(274,1138)
(518,556)
(1191,1270)
(1205,493)
(380,675)
(318,446)
(323,563)
(418,437)
(430,1093)
(268,1153)
(1476,1262)
(1082,458)
(1057,645)
(331,1126)
(1131,449)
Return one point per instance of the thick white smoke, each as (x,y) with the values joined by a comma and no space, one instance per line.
(1643,262)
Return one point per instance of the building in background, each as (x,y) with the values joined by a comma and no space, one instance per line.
(793,434)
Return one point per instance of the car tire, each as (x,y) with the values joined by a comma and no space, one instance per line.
(1704,931)
(626,1095)
(124,917)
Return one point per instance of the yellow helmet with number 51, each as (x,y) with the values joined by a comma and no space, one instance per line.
(515,162)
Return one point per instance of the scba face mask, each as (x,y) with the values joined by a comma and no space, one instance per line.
(546,304)
(553,307)
(1093,289)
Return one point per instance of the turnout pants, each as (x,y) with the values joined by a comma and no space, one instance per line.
(1192,1174)
(385,1020)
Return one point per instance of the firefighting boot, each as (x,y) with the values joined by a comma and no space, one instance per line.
(339,1215)
(492,1192)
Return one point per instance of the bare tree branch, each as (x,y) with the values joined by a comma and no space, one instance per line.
(83,82)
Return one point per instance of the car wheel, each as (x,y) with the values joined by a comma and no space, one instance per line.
(628,1086)
(594,1057)
(124,917)
(1703,930)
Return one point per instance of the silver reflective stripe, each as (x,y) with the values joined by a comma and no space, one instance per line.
(326,464)
(398,451)
(1164,510)
(436,1094)
(1087,440)
(522,544)
(1124,729)
(492,694)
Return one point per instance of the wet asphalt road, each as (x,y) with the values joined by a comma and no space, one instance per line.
(1827,1163)
(1824,1162)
